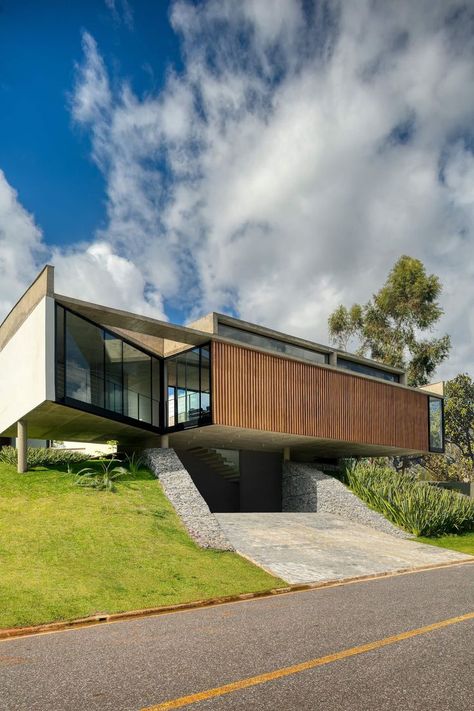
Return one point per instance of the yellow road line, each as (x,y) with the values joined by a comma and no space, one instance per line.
(304,666)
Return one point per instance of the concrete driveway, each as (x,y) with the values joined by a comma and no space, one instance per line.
(316,547)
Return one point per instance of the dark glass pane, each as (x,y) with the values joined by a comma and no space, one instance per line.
(84,361)
(273,344)
(368,370)
(136,383)
(181,387)
(205,381)
(436,424)
(193,385)
(113,373)
(156,391)
(60,356)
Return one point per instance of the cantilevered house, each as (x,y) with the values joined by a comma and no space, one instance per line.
(233,398)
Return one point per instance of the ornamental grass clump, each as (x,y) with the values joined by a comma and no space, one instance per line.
(103,479)
(43,456)
(413,505)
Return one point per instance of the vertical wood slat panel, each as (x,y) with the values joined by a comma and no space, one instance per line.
(257,390)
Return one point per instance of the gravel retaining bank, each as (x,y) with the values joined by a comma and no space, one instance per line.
(306,489)
(201,524)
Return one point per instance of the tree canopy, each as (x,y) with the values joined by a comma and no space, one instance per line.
(394,326)
(459,414)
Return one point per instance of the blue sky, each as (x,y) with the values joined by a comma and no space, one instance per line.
(45,157)
(266,159)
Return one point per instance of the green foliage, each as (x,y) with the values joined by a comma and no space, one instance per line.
(459,414)
(42,456)
(134,463)
(388,326)
(413,505)
(103,479)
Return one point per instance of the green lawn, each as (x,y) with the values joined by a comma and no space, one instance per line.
(463,543)
(66,551)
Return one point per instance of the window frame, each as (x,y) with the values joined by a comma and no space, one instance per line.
(89,407)
(436,450)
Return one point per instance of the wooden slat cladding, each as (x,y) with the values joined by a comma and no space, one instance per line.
(261,391)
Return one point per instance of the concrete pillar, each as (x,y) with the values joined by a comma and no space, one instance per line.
(333,359)
(165,441)
(403,379)
(22,446)
(286,454)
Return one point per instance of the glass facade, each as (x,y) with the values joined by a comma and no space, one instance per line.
(188,388)
(256,339)
(100,371)
(436,424)
(368,370)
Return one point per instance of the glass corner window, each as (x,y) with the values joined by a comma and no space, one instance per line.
(188,388)
(98,370)
(436,424)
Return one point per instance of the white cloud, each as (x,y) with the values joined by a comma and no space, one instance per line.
(281,174)
(20,247)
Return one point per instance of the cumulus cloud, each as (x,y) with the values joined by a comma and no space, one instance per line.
(21,246)
(301,150)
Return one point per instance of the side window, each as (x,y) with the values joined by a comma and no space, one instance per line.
(436,432)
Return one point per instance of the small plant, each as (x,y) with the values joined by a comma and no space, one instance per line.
(102,480)
(409,503)
(135,463)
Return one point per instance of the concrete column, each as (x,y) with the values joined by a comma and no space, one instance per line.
(333,359)
(403,379)
(22,446)
(165,441)
(286,454)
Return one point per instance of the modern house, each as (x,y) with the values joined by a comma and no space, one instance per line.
(230,396)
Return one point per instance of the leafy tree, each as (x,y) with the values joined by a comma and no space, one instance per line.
(390,326)
(459,414)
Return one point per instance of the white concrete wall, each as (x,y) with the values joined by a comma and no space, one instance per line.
(27,366)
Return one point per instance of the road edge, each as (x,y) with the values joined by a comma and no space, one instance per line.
(106,618)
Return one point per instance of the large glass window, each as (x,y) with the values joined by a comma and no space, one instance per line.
(188,388)
(84,361)
(273,344)
(368,370)
(136,383)
(98,368)
(435,405)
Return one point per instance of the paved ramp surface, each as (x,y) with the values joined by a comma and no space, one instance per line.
(316,547)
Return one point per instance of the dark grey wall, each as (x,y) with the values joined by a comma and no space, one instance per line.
(260,481)
(221,496)
(462,487)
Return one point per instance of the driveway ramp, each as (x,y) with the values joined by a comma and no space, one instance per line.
(318,547)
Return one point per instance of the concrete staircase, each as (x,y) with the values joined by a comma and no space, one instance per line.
(216,462)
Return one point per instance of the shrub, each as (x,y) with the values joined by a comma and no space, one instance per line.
(102,480)
(413,505)
(42,456)
(134,463)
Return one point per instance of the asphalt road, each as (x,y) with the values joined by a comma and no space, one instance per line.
(143,663)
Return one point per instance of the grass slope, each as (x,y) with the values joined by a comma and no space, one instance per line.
(67,552)
(463,543)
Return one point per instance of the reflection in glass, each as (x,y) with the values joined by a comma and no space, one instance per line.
(188,387)
(436,424)
(84,361)
(136,383)
(98,368)
(368,370)
(113,373)
(273,344)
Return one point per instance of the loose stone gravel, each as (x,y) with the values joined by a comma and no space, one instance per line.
(201,524)
(306,489)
